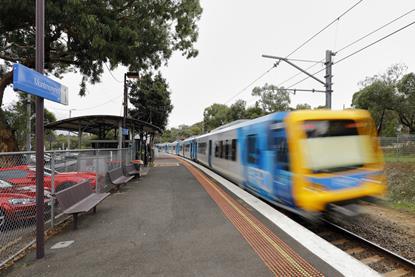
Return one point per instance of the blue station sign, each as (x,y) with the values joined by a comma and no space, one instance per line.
(32,82)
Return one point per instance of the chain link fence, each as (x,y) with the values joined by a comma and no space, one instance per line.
(398,149)
(62,170)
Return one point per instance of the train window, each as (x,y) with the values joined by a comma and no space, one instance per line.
(216,149)
(252,149)
(282,152)
(233,150)
(201,148)
(330,128)
(221,149)
(227,152)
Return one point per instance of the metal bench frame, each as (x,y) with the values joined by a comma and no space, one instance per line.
(79,198)
(117,177)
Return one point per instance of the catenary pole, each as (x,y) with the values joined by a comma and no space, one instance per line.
(328,77)
(40,227)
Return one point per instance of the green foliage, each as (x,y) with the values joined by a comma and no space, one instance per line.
(16,117)
(86,35)
(237,110)
(215,115)
(406,101)
(390,98)
(272,98)
(150,97)
(182,132)
(254,112)
(304,106)
(83,35)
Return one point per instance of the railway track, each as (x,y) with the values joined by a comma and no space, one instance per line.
(380,259)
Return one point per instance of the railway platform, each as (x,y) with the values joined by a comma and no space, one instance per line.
(179,221)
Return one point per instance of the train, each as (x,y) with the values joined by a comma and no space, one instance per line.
(310,161)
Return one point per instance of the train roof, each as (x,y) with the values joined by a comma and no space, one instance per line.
(272,116)
(352,113)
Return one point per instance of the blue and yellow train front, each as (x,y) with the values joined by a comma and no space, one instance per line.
(335,158)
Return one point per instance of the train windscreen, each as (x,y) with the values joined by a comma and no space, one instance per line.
(336,145)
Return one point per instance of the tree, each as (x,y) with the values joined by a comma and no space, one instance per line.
(254,112)
(381,98)
(378,98)
(406,101)
(214,116)
(237,110)
(150,96)
(304,106)
(182,132)
(272,99)
(86,35)
(16,116)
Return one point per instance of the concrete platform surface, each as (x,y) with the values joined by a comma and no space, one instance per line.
(177,221)
(162,225)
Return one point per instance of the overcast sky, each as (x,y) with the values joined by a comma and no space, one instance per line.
(234,34)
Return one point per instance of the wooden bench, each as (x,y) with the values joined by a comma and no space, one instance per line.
(132,171)
(79,198)
(117,177)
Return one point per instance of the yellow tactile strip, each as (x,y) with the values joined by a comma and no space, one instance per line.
(276,254)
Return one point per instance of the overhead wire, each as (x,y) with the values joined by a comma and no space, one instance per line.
(375,42)
(374,31)
(312,37)
(295,50)
(299,73)
(363,48)
(357,51)
(112,74)
(323,29)
(89,108)
(251,83)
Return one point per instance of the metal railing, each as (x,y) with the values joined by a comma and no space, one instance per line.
(62,170)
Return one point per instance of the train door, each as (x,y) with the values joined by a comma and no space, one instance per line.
(282,176)
(210,154)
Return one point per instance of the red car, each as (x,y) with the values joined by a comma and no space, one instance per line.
(16,207)
(24,175)
(6,187)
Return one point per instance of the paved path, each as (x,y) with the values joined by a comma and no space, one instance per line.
(162,225)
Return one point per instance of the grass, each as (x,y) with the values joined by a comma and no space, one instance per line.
(401,185)
(403,205)
(397,158)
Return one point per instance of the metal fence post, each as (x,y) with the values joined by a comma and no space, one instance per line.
(97,185)
(52,200)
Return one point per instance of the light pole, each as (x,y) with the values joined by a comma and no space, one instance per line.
(69,132)
(130,75)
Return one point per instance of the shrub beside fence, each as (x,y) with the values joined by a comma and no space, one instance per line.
(62,169)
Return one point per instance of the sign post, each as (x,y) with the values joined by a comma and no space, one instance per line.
(40,209)
(35,83)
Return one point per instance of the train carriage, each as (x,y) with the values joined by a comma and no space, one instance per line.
(306,161)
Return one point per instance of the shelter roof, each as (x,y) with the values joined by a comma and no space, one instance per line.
(94,123)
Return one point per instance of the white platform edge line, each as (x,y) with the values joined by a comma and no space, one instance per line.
(336,258)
